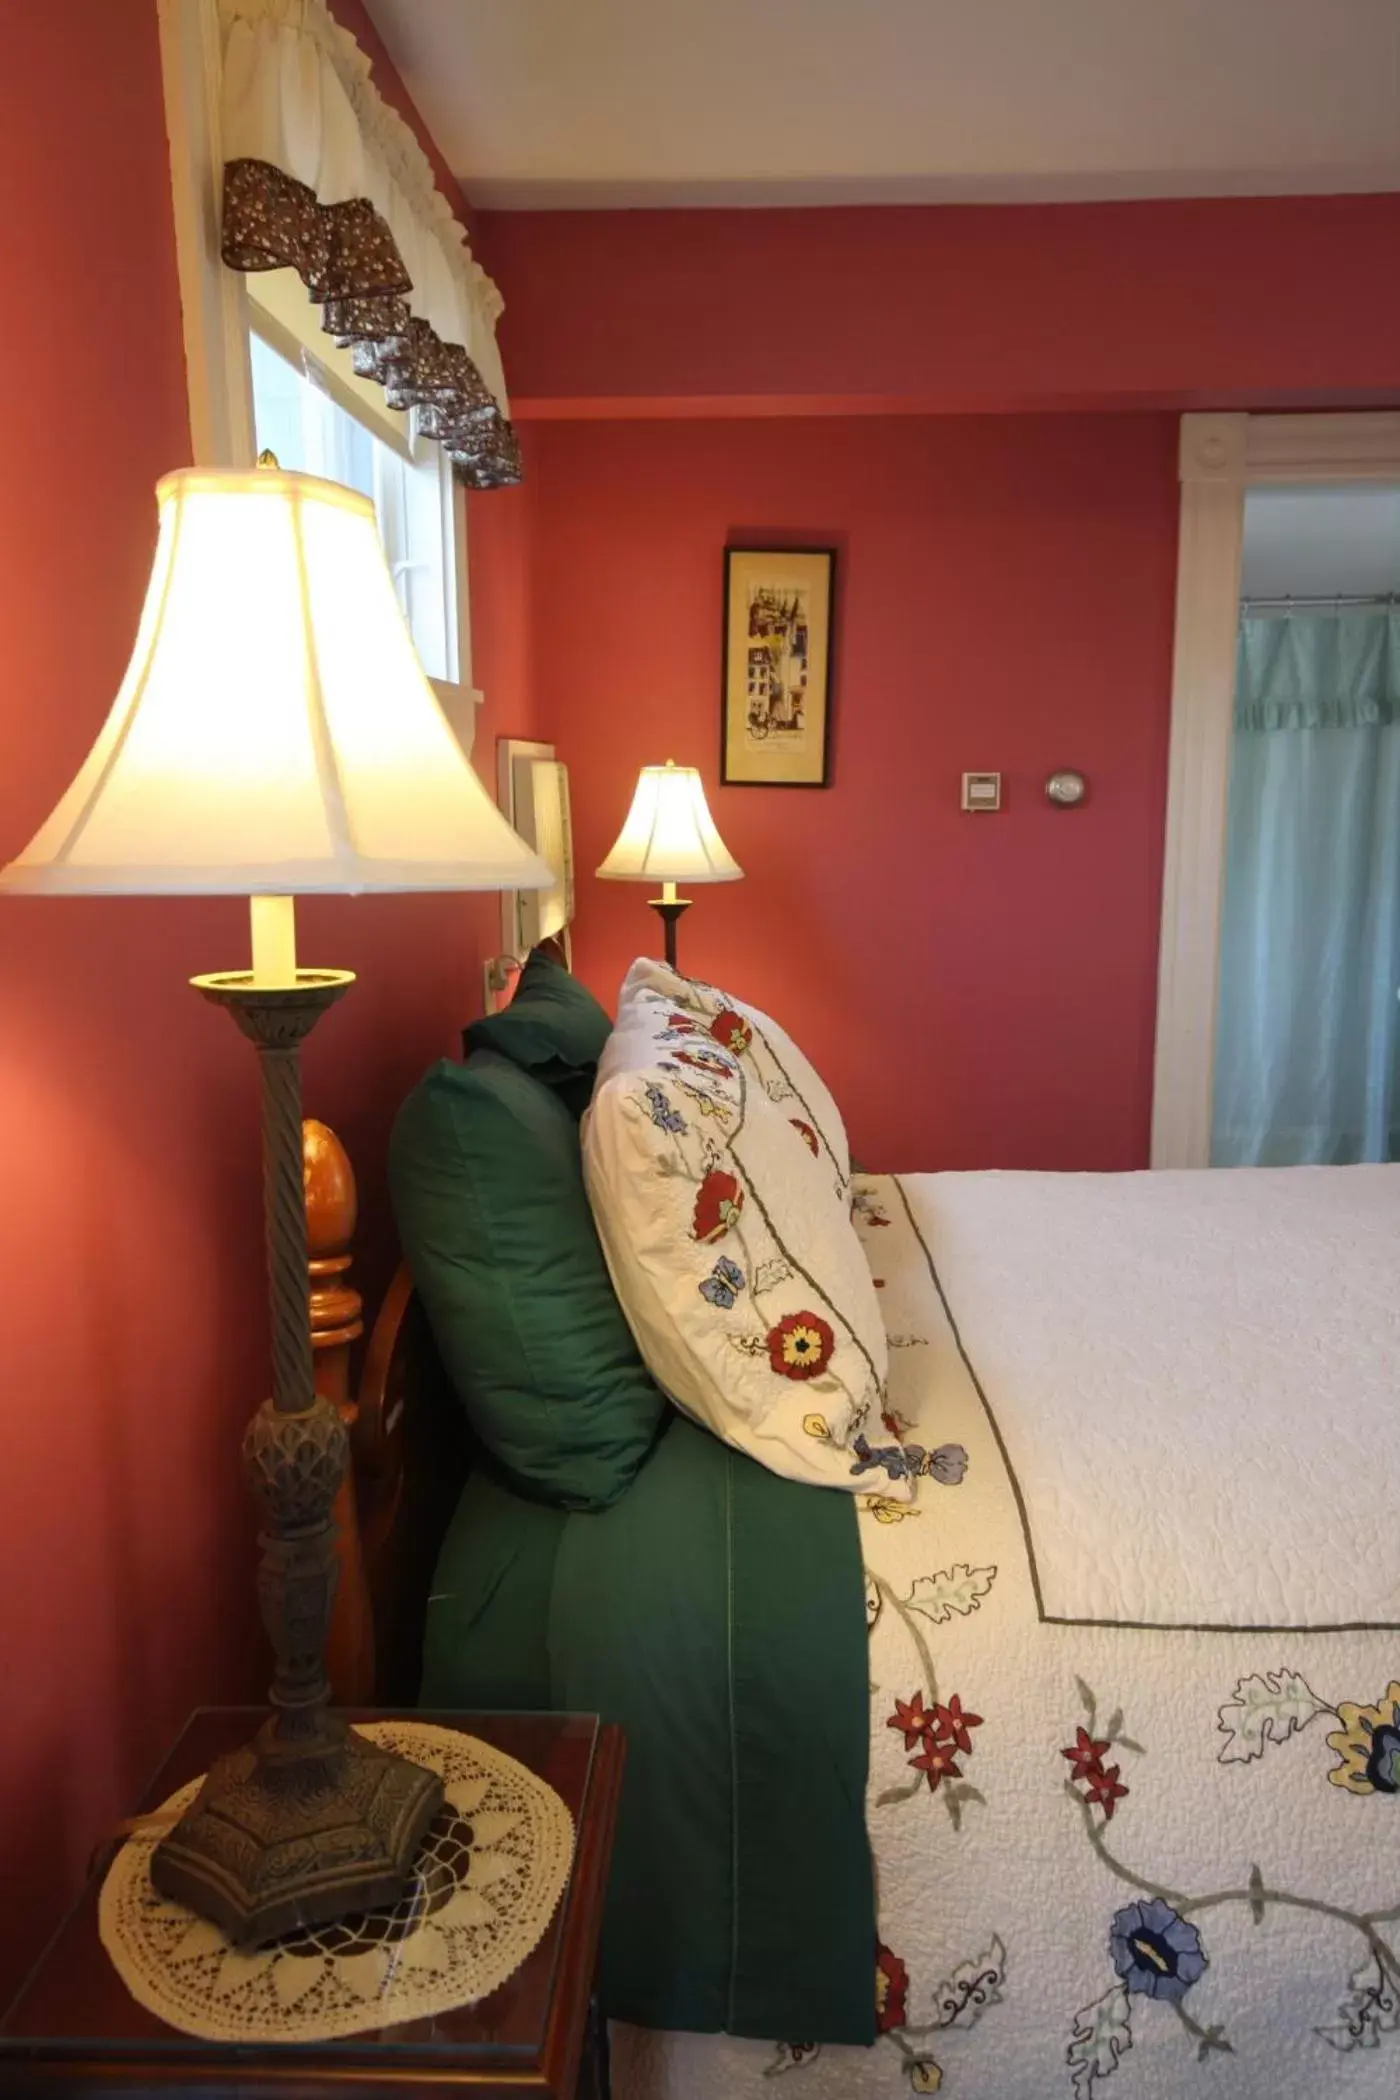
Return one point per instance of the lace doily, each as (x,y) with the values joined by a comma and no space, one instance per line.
(490,1873)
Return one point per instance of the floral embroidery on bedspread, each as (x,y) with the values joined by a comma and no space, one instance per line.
(1156,1948)
(1169,1957)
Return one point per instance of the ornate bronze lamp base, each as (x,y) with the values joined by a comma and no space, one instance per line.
(276,1841)
(311,1821)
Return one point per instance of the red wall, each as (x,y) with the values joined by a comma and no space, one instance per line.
(131,1294)
(1236,301)
(978,991)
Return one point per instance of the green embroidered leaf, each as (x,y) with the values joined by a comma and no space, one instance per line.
(1213,2038)
(769,1274)
(1090,1703)
(1266,1710)
(1114,1724)
(957,1589)
(1370,2009)
(1102,2036)
(1125,1742)
(1256,1894)
(898,1793)
(973,1987)
(956,1794)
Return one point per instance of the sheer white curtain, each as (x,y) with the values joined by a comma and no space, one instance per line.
(1308,1052)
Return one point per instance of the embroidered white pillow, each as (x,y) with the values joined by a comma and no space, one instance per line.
(784,1073)
(732,1251)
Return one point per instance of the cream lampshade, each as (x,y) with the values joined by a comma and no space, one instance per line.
(275,733)
(670,837)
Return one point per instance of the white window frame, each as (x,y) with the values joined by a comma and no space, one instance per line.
(1221,458)
(215,311)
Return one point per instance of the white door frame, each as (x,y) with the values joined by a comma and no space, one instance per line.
(1221,457)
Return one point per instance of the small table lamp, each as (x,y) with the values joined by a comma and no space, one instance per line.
(670,837)
(274,733)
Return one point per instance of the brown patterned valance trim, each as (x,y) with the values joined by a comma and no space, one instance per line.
(346,257)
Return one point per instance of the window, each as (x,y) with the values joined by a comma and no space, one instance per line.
(309,416)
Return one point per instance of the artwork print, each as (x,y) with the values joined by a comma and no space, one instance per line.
(777,667)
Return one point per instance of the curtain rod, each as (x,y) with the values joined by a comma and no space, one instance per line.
(1287,603)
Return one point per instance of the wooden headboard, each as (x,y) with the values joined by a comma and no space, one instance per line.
(410,1447)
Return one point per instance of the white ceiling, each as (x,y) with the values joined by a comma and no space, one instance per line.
(1314,541)
(638,102)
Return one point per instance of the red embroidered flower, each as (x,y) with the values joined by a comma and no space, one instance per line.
(800,1345)
(891,1989)
(718,1204)
(1085,1754)
(704,1061)
(686,1023)
(731,1030)
(1102,1790)
(937,1763)
(914,1718)
(951,1724)
(807,1135)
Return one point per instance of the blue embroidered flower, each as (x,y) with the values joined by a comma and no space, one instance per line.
(662,1114)
(724,1282)
(947,1464)
(1155,1951)
(889,1458)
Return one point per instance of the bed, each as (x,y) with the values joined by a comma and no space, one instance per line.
(1132,1735)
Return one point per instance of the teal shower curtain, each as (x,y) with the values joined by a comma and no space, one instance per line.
(1308,1051)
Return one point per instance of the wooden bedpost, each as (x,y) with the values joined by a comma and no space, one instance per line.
(336,1325)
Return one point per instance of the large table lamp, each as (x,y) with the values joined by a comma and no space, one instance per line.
(670,837)
(275,734)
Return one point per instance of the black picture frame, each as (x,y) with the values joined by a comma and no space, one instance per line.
(777,656)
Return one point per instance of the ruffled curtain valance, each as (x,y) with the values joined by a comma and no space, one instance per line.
(323,177)
(1319,670)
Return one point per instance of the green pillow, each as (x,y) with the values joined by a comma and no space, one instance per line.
(553,1027)
(487,1184)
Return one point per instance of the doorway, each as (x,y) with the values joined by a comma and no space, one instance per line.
(1307,1054)
(1223,460)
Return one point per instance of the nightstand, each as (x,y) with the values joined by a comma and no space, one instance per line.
(75,2030)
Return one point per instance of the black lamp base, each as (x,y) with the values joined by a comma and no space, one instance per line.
(670,909)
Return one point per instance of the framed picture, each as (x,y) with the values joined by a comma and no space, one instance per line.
(776,722)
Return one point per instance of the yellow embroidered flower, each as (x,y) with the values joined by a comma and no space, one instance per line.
(707,1104)
(925,2076)
(815,1425)
(886,1512)
(1368,1745)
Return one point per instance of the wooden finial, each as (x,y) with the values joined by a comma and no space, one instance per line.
(331,1212)
(336,1325)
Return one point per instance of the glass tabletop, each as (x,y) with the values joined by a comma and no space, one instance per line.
(75,2004)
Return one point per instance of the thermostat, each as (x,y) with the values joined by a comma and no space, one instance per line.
(981,791)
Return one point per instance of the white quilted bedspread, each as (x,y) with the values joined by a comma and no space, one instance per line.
(1136,1826)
